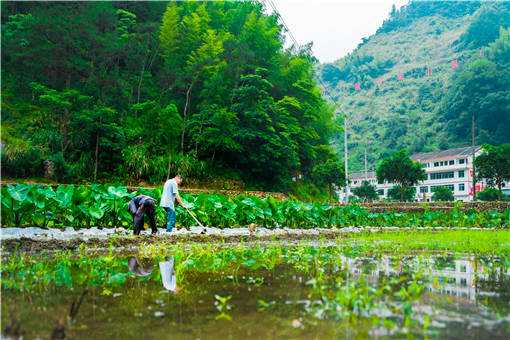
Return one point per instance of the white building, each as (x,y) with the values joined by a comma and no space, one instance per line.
(452,168)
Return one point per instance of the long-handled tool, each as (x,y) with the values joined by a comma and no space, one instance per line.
(196,220)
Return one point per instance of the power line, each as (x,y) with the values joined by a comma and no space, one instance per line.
(326,93)
(294,40)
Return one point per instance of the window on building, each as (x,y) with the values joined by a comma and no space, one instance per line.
(462,187)
(461,173)
(436,163)
(424,189)
(380,192)
(434,187)
(355,182)
(442,175)
(452,162)
(461,161)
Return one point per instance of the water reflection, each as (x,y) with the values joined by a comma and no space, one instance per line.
(168,274)
(469,277)
(166,269)
(136,268)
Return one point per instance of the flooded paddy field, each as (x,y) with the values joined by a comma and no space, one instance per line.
(367,286)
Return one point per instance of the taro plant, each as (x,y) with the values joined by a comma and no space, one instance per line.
(106,206)
(16,201)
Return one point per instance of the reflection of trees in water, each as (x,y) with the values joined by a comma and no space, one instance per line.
(496,281)
(15,327)
(444,262)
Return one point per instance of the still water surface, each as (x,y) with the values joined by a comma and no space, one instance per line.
(462,297)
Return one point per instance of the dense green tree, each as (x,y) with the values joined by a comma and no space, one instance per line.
(399,168)
(402,193)
(329,173)
(442,194)
(493,165)
(366,192)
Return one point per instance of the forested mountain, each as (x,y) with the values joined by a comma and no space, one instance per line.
(416,82)
(137,90)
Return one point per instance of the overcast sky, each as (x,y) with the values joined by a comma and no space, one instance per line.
(334,26)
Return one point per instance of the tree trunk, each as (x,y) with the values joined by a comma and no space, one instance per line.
(151,60)
(213,154)
(140,81)
(96,156)
(169,163)
(185,114)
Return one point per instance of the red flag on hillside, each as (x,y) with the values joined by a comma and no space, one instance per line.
(429,71)
(357,86)
(454,64)
(400,76)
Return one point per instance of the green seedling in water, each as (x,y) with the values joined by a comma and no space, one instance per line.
(223,306)
(264,305)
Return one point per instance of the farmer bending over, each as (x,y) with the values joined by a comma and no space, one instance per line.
(138,207)
(169,195)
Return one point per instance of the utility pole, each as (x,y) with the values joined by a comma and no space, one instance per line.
(473,152)
(346,161)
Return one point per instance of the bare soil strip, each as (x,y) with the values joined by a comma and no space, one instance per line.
(33,239)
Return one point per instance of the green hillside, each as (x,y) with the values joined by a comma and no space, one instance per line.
(424,112)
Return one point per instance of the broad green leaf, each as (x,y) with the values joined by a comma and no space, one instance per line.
(117,279)
(96,212)
(64,195)
(18,192)
(118,192)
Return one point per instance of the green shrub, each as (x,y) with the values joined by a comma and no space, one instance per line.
(491,194)
(442,194)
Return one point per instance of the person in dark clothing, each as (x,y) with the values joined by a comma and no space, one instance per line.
(139,207)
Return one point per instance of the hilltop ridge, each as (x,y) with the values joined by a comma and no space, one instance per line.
(404,73)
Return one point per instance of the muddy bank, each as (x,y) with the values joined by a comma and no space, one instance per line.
(33,239)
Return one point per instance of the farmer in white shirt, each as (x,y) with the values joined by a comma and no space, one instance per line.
(169,195)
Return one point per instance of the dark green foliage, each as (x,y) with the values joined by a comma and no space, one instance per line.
(491,194)
(482,89)
(493,165)
(399,168)
(366,192)
(486,24)
(442,194)
(402,193)
(114,90)
(329,173)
